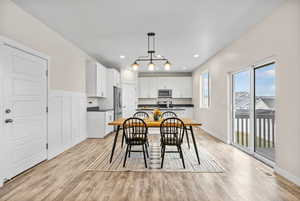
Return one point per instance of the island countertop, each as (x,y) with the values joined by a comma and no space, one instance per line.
(162,109)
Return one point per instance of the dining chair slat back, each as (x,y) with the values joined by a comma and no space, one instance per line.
(168,114)
(141,115)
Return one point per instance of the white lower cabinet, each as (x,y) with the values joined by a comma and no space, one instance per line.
(97,124)
(109,117)
(185,112)
(180,113)
(189,113)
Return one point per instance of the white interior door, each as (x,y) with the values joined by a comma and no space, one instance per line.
(129,99)
(25,117)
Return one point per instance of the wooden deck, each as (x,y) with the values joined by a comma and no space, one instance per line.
(65,179)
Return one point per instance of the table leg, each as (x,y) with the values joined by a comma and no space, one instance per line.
(195,144)
(123,138)
(187,138)
(114,145)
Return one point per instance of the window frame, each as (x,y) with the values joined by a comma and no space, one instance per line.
(202,90)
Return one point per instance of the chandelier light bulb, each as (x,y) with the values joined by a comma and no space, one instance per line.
(135,66)
(151,66)
(167,66)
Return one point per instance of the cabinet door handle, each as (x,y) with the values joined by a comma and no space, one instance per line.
(9,121)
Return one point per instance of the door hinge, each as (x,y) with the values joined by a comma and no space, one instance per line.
(47,73)
(47,146)
(47,109)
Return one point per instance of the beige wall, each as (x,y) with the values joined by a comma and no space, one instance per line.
(67,65)
(278,35)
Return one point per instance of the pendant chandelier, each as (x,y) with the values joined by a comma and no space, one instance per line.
(151,57)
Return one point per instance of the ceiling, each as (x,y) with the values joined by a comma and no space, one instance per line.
(106,29)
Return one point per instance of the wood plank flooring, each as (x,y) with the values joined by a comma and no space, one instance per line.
(65,179)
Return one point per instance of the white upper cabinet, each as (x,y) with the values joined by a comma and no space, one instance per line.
(112,80)
(143,87)
(178,88)
(165,82)
(117,78)
(101,80)
(113,77)
(95,80)
(187,87)
(152,87)
(181,86)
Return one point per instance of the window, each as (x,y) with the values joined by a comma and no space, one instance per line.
(205,90)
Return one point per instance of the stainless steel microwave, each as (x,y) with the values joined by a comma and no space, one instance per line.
(165,93)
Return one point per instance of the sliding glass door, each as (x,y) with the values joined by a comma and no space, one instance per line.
(264,110)
(253,111)
(241,103)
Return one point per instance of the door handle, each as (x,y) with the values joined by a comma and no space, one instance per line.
(9,121)
(7,111)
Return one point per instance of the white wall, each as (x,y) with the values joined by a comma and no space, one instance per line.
(2,143)
(66,59)
(66,120)
(279,36)
(67,99)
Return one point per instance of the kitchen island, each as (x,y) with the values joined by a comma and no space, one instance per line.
(182,110)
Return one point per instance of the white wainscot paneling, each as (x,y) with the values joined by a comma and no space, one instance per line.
(66,121)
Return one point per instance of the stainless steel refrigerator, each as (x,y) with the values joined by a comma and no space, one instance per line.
(117,103)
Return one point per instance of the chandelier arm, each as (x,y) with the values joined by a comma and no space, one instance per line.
(151,52)
(148,43)
(143,57)
(154,44)
(153,59)
(164,58)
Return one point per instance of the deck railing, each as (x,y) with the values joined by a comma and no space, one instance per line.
(264,128)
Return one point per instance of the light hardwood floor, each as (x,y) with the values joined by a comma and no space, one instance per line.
(65,179)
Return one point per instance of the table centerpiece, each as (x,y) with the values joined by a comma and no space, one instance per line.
(156,114)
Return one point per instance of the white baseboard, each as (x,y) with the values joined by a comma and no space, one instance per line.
(287,175)
(212,134)
(66,120)
(278,170)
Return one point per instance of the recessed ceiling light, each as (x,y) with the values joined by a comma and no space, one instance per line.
(158,56)
(184,68)
(122,56)
(196,55)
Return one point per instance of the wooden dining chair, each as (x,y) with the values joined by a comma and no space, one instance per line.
(168,114)
(135,131)
(172,131)
(141,115)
